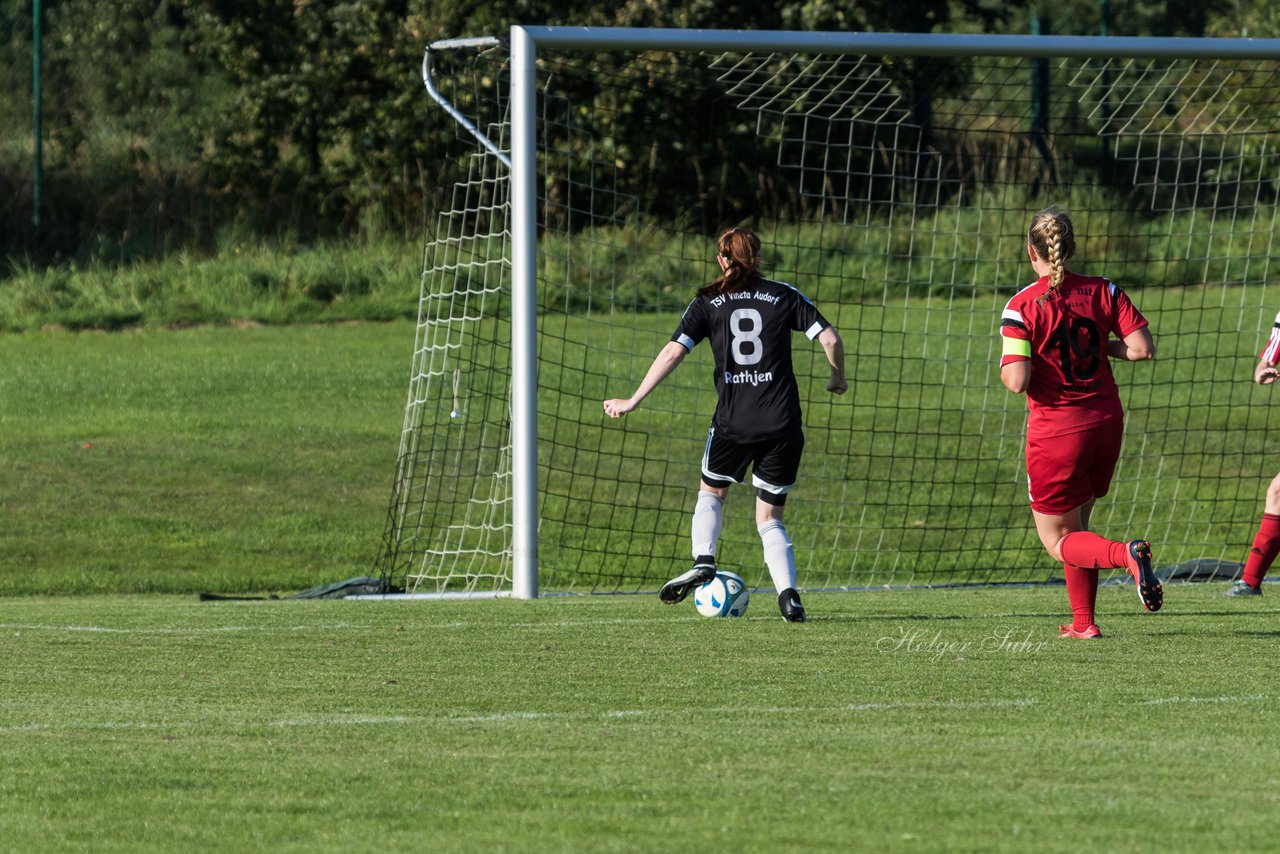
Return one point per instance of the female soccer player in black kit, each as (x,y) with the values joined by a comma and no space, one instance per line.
(749,320)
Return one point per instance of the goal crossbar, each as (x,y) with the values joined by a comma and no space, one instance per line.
(896,44)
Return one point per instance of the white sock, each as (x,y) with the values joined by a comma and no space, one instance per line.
(706,523)
(779,555)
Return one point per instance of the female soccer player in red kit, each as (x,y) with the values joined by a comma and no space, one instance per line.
(1266,543)
(1057,343)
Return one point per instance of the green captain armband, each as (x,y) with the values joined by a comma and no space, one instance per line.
(1017,347)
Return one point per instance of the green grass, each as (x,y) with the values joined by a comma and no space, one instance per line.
(261,458)
(893,721)
(244,281)
(209,458)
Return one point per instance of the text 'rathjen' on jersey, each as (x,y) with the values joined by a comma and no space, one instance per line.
(1064,334)
(750,332)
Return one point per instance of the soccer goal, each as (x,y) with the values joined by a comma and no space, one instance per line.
(891,179)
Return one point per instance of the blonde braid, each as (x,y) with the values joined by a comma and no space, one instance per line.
(1052,236)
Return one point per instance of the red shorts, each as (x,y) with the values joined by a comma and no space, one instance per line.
(1065,472)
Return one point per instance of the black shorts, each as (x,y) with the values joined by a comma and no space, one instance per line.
(774,463)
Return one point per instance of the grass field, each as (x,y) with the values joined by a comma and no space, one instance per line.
(245,280)
(259,459)
(893,721)
(210,458)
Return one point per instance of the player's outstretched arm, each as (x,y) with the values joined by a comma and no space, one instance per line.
(1265,373)
(668,359)
(1137,346)
(833,346)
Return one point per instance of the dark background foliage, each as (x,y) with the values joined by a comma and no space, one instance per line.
(168,123)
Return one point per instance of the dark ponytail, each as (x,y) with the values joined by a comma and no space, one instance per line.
(739,250)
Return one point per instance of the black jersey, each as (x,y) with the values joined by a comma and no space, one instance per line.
(750,332)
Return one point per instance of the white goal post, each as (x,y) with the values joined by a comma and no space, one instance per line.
(1198,64)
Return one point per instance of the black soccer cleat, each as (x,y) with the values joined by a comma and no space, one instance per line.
(1149,589)
(1243,588)
(675,590)
(789,605)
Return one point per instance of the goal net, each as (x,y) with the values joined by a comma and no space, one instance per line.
(894,188)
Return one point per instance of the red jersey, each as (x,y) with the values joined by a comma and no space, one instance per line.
(1064,336)
(1271,353)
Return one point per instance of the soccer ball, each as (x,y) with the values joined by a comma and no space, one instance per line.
(723,596)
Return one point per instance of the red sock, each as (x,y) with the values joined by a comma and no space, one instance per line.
(1089,551)
(1082,593)
(1266,545)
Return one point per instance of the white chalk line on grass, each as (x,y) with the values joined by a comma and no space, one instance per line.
(452,625)
(180,630)
(508,717)
(1243,698)
(94,727)
(517,717)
